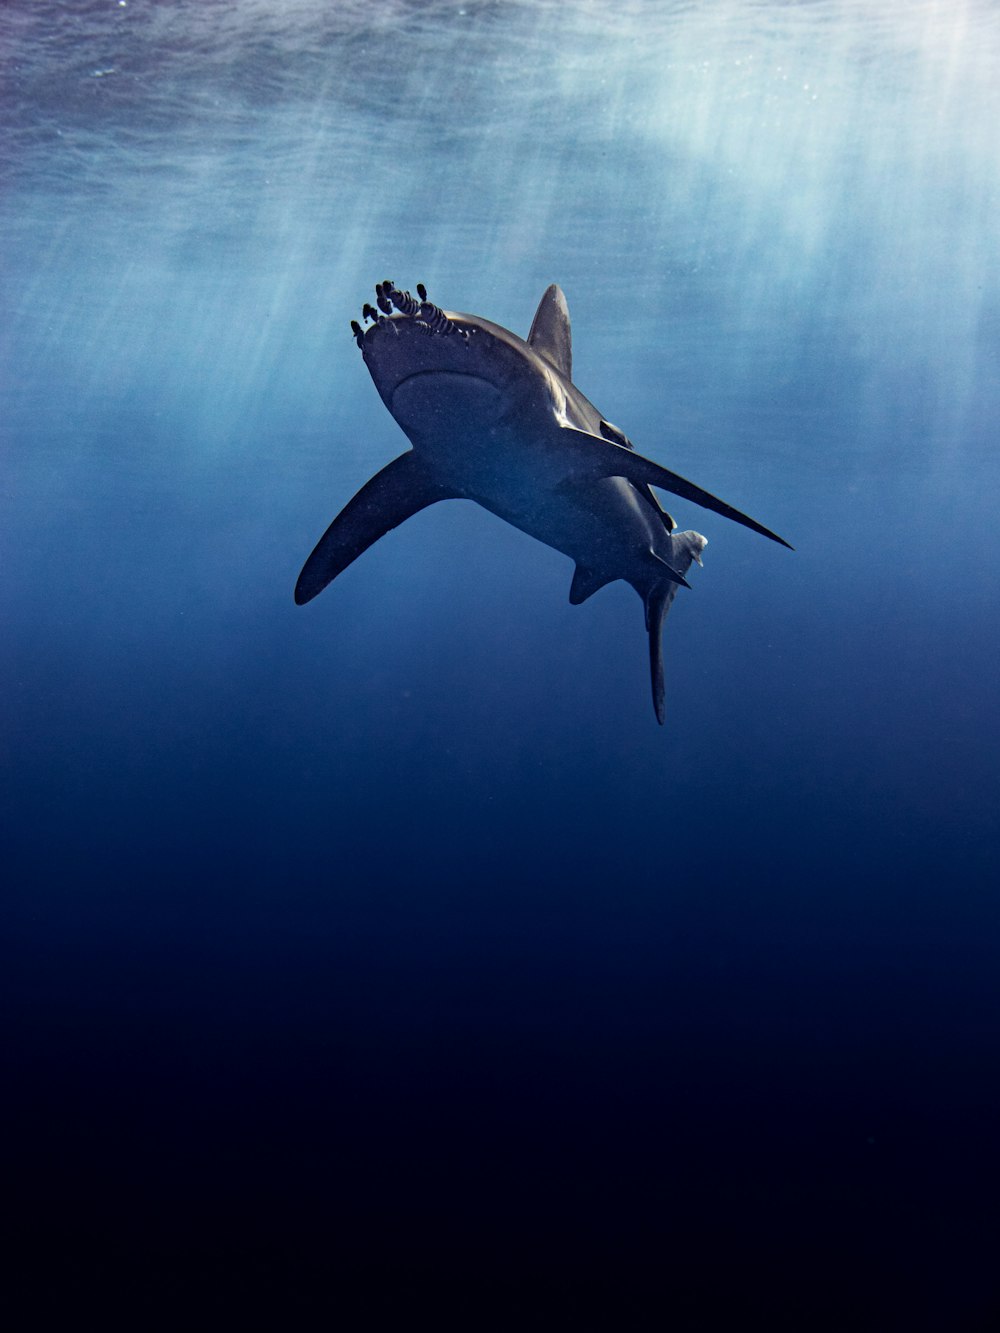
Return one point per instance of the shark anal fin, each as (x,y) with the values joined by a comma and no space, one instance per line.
(585,584)
(601,458)
(401,489)
(550,334)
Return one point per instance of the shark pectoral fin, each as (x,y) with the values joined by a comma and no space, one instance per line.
(401,489)
(550,334)
(601,458)
(585,584)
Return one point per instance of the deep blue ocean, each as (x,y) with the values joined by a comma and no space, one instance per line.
(381,961)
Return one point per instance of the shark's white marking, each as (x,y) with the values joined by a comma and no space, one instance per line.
(498,420)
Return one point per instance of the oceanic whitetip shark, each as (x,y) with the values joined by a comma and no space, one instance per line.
(498,420)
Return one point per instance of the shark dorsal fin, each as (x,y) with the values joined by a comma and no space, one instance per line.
(550,334)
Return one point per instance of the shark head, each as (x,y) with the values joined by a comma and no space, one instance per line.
(439,371)
(428,377)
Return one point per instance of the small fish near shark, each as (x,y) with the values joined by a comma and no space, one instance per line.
(498,420)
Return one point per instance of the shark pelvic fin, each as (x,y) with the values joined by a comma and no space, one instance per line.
(401,489)
(600,458)
(550,334)
(585,584)
(674,575)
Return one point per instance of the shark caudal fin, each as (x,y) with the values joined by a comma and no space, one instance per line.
(687,547)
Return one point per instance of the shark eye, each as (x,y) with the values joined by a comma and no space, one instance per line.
(615,435)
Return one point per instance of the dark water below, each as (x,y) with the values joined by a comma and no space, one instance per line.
(383,954)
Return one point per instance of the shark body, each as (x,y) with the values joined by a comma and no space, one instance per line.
(498,420)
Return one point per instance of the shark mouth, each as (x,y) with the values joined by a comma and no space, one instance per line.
(425,314)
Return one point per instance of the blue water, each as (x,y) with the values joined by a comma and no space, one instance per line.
(384,954)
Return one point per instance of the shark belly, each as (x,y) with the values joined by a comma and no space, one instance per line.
(514,463)
(604,531)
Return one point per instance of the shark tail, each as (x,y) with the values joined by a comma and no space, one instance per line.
(657,606)
(688,546)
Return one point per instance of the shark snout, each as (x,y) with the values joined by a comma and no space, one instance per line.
(427,364)
(397,348)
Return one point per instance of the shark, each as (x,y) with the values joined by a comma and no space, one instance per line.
(495,418)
